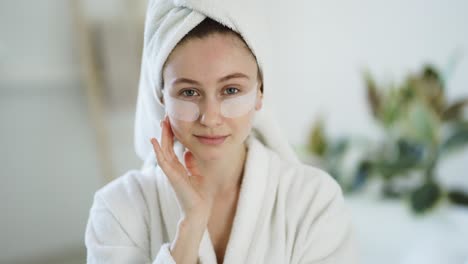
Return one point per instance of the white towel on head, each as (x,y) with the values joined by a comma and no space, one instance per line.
(167,22)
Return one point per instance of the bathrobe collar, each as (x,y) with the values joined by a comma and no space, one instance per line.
(251,195)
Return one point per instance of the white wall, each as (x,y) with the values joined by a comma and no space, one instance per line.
(49,169)
(324,46)
(37,41)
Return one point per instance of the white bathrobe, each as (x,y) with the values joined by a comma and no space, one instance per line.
(286,213)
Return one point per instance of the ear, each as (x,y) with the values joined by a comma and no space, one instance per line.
(161,98)
(259,101)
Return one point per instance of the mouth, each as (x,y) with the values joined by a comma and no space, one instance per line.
(211,140)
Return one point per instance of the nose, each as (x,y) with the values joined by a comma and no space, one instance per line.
(210,115)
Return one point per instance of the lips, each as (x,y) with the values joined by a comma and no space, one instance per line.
(210,137)
(211,140)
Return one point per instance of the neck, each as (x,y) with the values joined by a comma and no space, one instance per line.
(225,174)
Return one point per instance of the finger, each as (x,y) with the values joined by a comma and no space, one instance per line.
(165,165)
(167,141)
(170,135)
(163,136)
(190,163)
(158,151)
(168,148)
(195,175)
(178,179)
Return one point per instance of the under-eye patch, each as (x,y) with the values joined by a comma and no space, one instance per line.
(230,107)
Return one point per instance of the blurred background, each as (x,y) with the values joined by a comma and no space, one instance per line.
(375,92)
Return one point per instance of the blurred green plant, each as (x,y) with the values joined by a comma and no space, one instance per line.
(420,127)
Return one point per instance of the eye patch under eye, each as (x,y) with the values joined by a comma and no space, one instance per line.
(180,109)
(239,105)
(230,108)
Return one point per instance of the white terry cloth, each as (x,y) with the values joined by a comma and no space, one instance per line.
(167,22)
(286,213)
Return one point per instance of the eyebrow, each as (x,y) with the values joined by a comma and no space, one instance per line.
(223,79)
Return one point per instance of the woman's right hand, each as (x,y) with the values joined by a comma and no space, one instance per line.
(192,191)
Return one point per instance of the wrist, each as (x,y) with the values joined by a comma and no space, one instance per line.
(193,222)
(184,247)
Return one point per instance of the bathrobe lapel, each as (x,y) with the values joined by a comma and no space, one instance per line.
(252,193)
(171,214)
(251,197)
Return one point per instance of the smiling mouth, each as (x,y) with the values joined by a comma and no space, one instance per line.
(211,140)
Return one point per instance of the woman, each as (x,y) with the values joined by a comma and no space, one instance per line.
(221,185)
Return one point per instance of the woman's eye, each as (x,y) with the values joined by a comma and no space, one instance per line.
(189,93)
(231,90)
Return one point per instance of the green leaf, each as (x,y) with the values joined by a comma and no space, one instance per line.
(373,97)
(362,174)
(422,124)
(338,148)
(457,139)
(431,73)
(317,141)
(425,197)
(410,154)
(455,110)
(433,88)
(388,168)
(390,108)
(458,197)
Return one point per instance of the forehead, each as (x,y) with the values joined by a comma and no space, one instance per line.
(209,58)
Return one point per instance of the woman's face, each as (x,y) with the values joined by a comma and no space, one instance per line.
(206,72)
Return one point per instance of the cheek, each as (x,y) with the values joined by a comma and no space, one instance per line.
(243,125)
(250,118)
(180,129)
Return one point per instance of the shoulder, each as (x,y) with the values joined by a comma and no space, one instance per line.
(312,185)
(316,214)
(301,181)
(312,195)
(313,200)
(131,187)
(128,198)
(121,210)
(320,218)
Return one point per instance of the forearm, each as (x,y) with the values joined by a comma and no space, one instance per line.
(184,248)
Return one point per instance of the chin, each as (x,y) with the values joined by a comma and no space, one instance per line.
(210,156)
(209,153)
